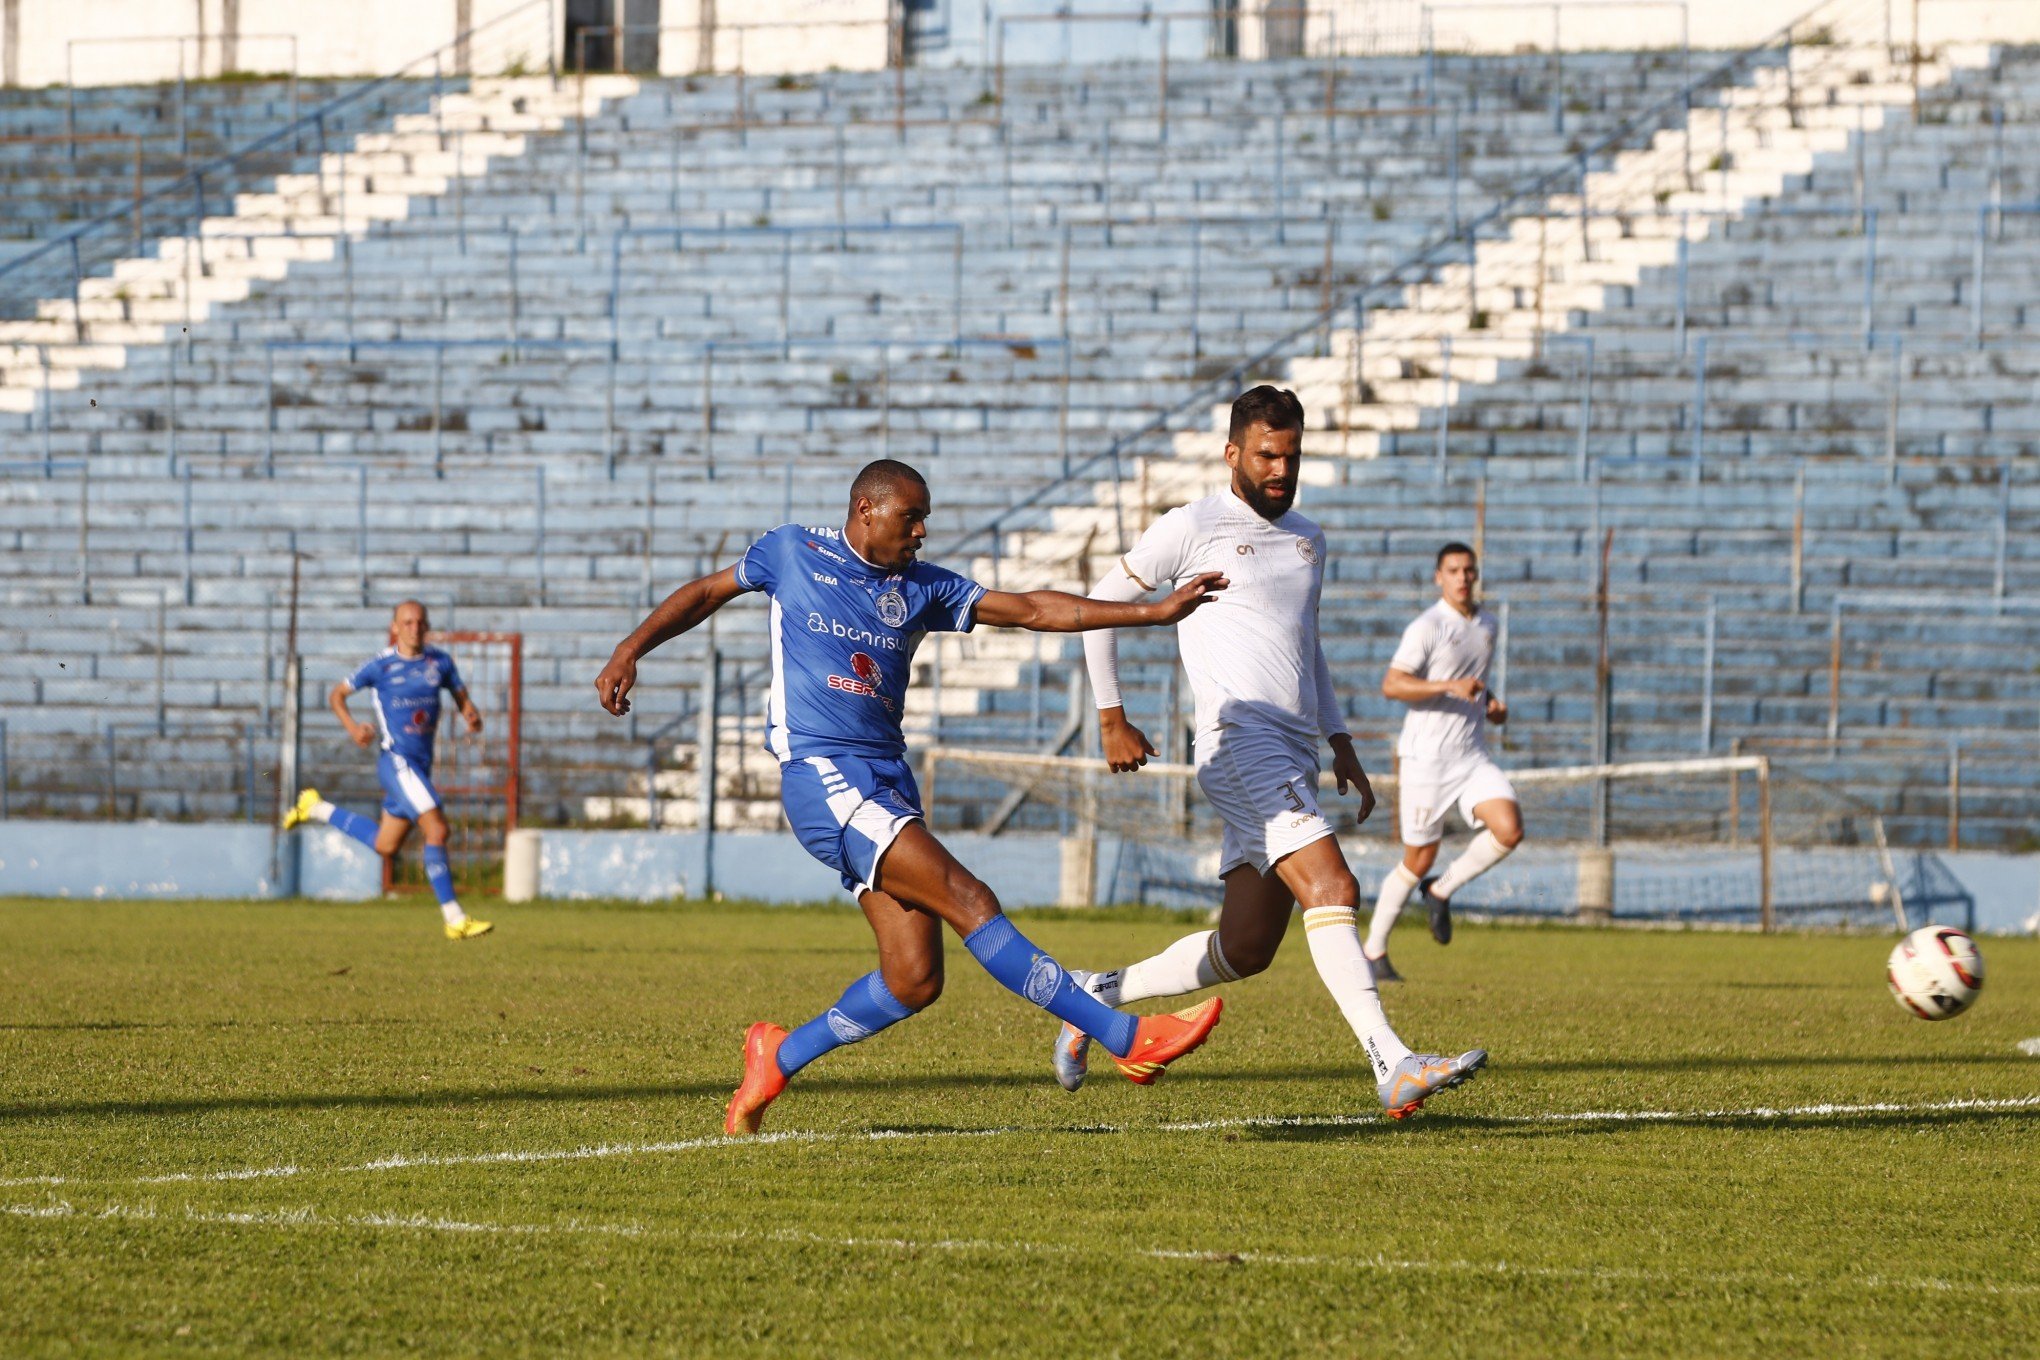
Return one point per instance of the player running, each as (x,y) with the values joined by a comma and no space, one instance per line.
(849,607)
(403,681)
(1440,670)
(1264,700)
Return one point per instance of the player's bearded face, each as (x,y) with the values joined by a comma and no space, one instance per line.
(1264,467)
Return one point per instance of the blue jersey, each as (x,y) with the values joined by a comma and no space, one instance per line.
(843,639)
(406,695)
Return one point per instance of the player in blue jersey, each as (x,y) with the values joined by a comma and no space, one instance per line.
(403,681)
(849,606)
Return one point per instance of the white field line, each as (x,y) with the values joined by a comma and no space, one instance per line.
(428,1223)
(600,1151)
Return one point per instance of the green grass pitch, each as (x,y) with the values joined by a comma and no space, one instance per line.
(287,1128)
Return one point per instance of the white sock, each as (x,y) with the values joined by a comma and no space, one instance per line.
(323,811)
(1395,890)
(1334,936)
(452,913)
(1190,964)
(1484,854)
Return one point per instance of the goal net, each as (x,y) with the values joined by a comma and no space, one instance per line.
(1728,840)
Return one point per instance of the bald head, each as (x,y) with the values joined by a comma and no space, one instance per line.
(408,627)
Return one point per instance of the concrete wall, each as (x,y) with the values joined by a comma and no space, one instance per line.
(135,859)
(769,866)
(359,37)
(374,37)
(178,860)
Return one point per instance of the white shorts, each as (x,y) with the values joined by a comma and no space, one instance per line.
(1265,791)
(1427,790)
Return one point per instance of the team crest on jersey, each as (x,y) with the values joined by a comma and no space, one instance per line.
(892,609)
(1307,550)
(432,672)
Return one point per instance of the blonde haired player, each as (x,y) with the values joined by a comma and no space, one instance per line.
(1440,670)
(1265,701)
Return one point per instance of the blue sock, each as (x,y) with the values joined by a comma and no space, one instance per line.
(351,824)
(867,1007)
(439,873)
(1021,968)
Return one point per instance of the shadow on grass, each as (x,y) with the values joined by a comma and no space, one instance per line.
(1577,1128)
(1345,1077)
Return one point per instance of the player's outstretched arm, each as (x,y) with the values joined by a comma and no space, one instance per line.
(685,608)
(1053,611)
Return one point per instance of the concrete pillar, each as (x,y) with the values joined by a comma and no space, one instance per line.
(521,865)
(1079,885)
(1597,885)
(10,42)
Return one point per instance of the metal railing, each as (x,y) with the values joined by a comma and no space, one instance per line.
(1415,268)
(197,46)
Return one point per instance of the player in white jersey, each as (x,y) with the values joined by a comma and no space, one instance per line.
(1265,700)
(1440,670)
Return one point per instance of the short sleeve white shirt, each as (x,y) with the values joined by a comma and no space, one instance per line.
(1252,652)
(1443,644)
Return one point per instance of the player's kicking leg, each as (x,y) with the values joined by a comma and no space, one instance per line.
(1251,926)
(887,855)
(1501,830)
(907,980)
(1250,929)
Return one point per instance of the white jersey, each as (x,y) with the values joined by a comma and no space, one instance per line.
(1443,644)
(1252,653)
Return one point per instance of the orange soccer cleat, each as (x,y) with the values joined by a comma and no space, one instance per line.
(1161,1039)
(763,1081)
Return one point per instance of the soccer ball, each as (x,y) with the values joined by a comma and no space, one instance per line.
(1935,972)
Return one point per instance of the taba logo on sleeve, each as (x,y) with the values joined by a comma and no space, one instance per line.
(892,609)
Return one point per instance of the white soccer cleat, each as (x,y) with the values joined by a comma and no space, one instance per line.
(1072,1058)
(1422,1075)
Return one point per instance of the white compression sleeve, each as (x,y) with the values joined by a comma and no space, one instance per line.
(1331,720)
(1101,645)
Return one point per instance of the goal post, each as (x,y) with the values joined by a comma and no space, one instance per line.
(1725,840)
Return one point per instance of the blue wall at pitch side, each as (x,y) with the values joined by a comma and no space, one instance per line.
(180,860)
(176,859)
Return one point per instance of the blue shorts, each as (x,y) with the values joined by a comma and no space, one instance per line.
(848,810)
(407,788)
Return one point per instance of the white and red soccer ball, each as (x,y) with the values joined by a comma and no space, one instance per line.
(1935,972)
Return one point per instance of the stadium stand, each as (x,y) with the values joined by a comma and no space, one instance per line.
(540,352)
